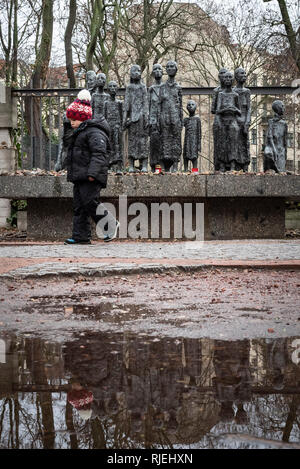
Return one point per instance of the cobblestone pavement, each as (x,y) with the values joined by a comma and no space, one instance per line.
(53,258)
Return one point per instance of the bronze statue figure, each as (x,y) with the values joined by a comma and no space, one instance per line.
(192,137)
(90,81)
(228,110)
(275,152)
(244,120)
(171,119)
(113,113)
(99,96)
(154,113)
(216,124)
(136,119)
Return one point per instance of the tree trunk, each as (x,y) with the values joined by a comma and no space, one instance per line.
(14,74)
(68,43)
(32,116)
(96,23)
(43,54)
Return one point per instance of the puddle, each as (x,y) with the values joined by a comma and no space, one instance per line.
(108,390)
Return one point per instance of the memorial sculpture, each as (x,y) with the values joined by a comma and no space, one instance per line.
(244,120)
(216,124)
(171,119)
(113,113)
(275,152)
(99,96)
(90,81)
(154,113)
(192,137)
(228,129)
(136,120)
(64,143)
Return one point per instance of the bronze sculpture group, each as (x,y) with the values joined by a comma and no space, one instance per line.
(153,119)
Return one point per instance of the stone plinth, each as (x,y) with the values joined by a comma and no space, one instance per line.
(236,206)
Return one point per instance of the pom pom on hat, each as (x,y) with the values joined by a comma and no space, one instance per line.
(80,109)
(84,95)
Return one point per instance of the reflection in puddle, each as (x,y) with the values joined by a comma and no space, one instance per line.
(126,391)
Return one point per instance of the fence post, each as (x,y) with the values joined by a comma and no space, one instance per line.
(8,121)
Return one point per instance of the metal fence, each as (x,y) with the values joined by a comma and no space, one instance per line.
(40,118)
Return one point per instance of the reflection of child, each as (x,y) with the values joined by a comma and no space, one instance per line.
(81,400)
(192,138)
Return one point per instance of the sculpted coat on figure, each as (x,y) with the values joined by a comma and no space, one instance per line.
(136,119)
(113,113)
(154,113)
(228,111)
(171,119)
(192,137)
(275,152)
(244,120)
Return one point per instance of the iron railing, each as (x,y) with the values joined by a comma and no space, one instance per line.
(40,113)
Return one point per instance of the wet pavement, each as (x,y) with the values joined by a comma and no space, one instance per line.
(230,304)
(155,359)
(100,259)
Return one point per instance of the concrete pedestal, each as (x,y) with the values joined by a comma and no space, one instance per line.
(243,218)
(236,206)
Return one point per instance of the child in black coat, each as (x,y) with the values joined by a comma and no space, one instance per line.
(87,166)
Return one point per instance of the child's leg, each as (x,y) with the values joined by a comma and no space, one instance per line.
(81,224)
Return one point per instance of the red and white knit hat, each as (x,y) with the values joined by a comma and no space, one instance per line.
(80,109)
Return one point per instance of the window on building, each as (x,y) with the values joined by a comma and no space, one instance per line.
(254,164)
(290,140)
(254,136)
(298,140)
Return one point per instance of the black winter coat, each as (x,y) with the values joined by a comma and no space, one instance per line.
(88,153)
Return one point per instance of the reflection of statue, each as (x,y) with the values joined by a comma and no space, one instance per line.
(228,109)
(90,81)
(192,138)
(64,144)
(233,378)
(171,119)
(136,119)
(113,113)
(216,91)
(99,97)
(277,358)
(244,121)
(275,152)
(154,128)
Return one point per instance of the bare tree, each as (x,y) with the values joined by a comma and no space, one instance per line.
(15,34)
(41,65)
(148,30)
(68,43)
(290,25)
